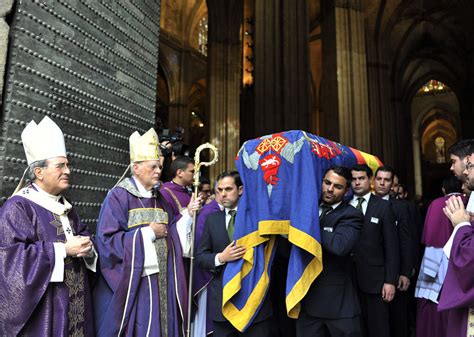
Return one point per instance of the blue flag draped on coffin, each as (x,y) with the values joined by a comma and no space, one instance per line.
(282,175)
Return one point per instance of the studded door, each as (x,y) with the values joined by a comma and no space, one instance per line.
(91,66)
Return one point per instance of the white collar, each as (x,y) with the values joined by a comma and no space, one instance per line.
(452,193)
(386,196)
(143,191)
(46,194)
(230,209)
(50,202)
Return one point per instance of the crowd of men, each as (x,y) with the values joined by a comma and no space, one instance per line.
(384,273)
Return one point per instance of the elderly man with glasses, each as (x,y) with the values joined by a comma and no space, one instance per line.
(45,250)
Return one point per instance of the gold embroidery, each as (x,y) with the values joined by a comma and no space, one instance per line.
(162,253)
(143,216)
(175,198)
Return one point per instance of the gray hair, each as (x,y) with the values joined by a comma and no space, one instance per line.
(30,173)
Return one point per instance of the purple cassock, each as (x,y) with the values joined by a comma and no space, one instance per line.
(457,294)
(177,196)
(436,232)
(31,305)
(203,277)
(437,228)
(129,300)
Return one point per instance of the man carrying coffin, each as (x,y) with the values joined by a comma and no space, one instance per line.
(45,250)
(142,291)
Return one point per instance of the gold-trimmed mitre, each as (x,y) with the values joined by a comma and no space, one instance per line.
(144,147)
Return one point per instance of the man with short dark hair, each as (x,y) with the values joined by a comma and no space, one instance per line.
(383,182)
(375,255)
(217,248)
(331,306)
(177,192)
(458,152)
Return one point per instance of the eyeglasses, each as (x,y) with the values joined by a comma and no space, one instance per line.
(62,166)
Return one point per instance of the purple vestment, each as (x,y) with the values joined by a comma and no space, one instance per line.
(436,232)
(31,305)
(203,277)
(127,302)
(177,196)
(457,294)
(437,228)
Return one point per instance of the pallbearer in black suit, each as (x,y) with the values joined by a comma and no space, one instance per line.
(331,306)
(399,306)
(375,255)
(216,249)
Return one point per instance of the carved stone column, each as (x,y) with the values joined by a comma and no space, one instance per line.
(380,101)
(224,75)
(5,7)
(281,68)
(344,63)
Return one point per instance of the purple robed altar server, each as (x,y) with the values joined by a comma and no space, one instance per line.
(177,196)
(31,305)
(203,277)
(436,232)
(177,192)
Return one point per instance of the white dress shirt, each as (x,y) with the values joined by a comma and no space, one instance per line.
(227,220)
(365,203)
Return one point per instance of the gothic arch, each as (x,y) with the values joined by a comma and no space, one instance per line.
(170,74)
(442,111)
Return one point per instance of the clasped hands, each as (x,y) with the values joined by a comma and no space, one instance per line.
(79,246)
(160,229)
(455,211)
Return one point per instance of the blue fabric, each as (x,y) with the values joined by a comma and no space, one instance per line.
(282,175)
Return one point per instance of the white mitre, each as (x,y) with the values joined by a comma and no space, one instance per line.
(144,147)
(43,140)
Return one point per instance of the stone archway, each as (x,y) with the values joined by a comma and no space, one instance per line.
(433,115)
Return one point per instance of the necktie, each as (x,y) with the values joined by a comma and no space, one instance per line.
(360,201)
(325,209)
(230,227)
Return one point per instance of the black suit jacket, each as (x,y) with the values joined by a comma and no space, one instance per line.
(376,254)
(214,240)
(332,295)
(416,226)
(405,237)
